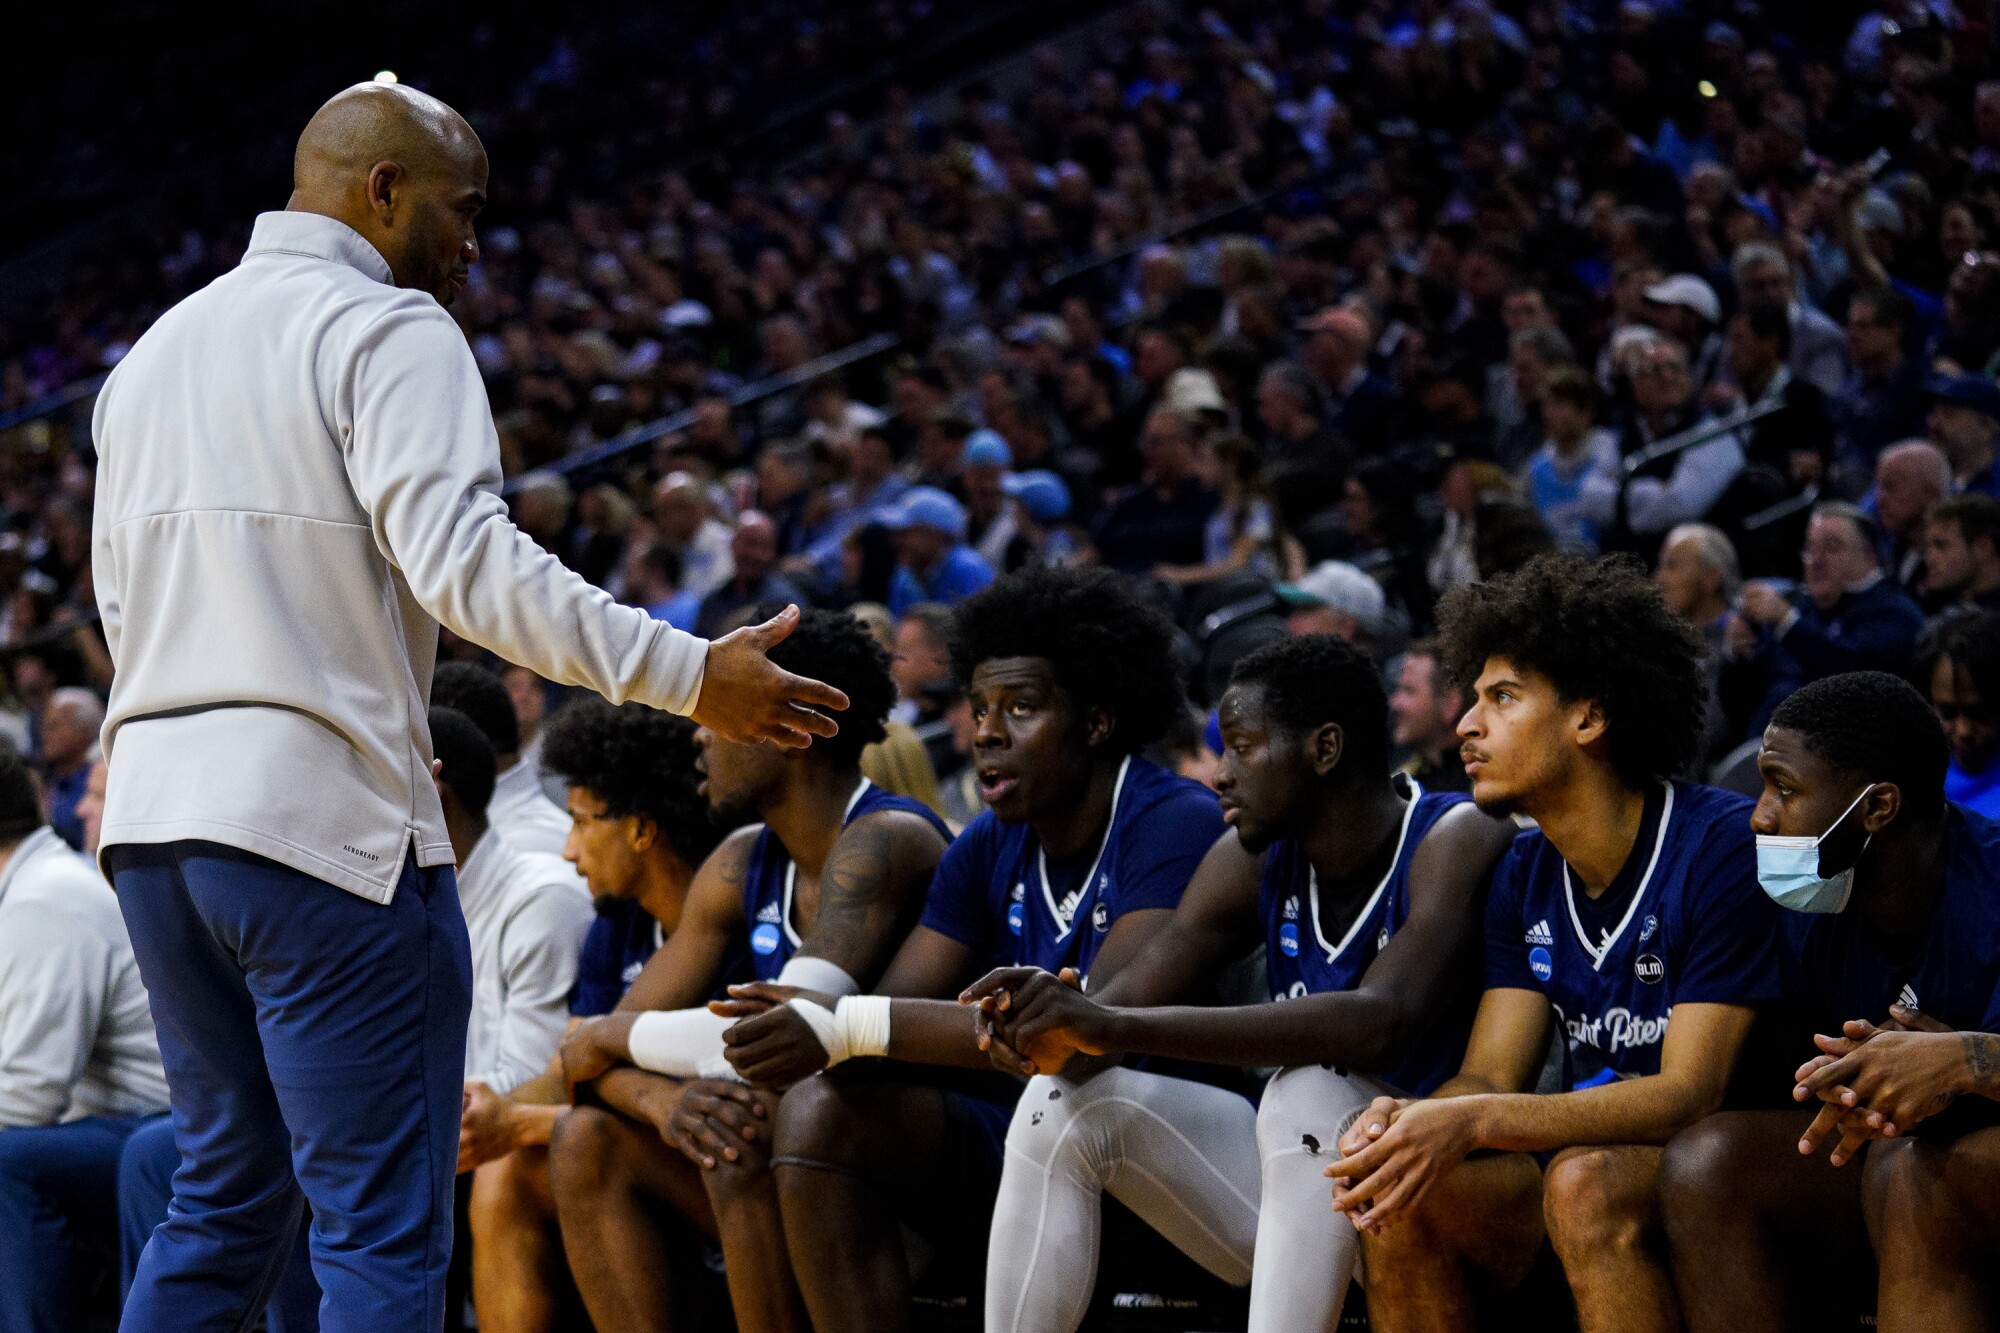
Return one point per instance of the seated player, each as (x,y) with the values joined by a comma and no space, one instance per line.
(1081,856)
(1636,898)
(1369,895)
(640,829)
(1892,948)
(820,892)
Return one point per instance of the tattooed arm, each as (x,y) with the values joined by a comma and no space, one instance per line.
(871,891)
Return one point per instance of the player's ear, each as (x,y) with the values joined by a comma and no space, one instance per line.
(1098,724)
(644,834)
(1587,722)
(1880,806)
(1325,746)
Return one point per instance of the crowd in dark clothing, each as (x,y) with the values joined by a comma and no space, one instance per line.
(1419,290)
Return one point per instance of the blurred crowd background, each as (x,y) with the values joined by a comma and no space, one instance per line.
(1299,313)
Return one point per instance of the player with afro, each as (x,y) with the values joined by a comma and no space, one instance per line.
(1635,898)
(1081,855)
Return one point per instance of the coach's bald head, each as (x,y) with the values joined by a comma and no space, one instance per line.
(405,171)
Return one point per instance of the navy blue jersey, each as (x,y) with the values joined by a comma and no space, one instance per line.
(997,894)
(615,950)
(620,942)
(1303,960)
(1683,922)
(767,880)
(1838,970)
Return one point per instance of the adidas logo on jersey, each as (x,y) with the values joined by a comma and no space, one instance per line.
(769,912)
(1020,892)
(1292,909)
(1908,999)
(1539,933)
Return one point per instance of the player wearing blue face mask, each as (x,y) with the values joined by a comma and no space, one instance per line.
(1892,954)
(1631,918)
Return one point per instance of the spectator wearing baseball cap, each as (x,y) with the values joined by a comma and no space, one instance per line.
(989,519)
(1334,597)
(933,563)
(1041,510)
(1964,421)
(1685,308)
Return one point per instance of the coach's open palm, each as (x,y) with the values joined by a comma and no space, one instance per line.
(747,698)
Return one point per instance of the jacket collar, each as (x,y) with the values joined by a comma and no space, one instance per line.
(317,236)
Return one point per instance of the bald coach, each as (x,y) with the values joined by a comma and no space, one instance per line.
(298,482)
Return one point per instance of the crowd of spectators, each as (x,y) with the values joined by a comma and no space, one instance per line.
(1464,270)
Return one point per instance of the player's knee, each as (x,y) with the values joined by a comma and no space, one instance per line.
(819,1121)
(749,1175)
(1043,1119)
(585,1155)
(1701,1179)
(1308,1108)
(1593,1207)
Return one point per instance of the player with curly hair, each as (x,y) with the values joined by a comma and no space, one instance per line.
(818,893)
(1080,857)
(1636,898)
(640,829)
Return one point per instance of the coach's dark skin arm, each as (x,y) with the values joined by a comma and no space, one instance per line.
(1405,988)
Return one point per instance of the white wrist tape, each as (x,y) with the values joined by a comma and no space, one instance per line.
(682,1043)
(858,1026)
(817,974)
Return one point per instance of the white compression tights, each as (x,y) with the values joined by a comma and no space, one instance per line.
(1193,1162)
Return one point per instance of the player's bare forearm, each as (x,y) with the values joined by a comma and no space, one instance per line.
(935,1032)
(1982,1063)
(534,1122)
(646,1097)
(1696,1058)
(1345,1027)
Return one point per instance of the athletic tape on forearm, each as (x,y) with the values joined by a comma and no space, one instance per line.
(682,1043)
(858,1026)
(818,974)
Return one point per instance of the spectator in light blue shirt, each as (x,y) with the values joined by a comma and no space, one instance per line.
(933,563)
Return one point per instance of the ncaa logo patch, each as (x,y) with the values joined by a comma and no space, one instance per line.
(1100,918)
(1650,969)
(1288,939)
(764,940)
(1541,964)
(1014,917)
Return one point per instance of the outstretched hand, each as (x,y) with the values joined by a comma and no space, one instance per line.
(747,698)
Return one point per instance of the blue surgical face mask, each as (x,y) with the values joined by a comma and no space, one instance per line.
(1788,868)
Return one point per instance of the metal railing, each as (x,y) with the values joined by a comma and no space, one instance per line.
(50,403)
(745,396)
